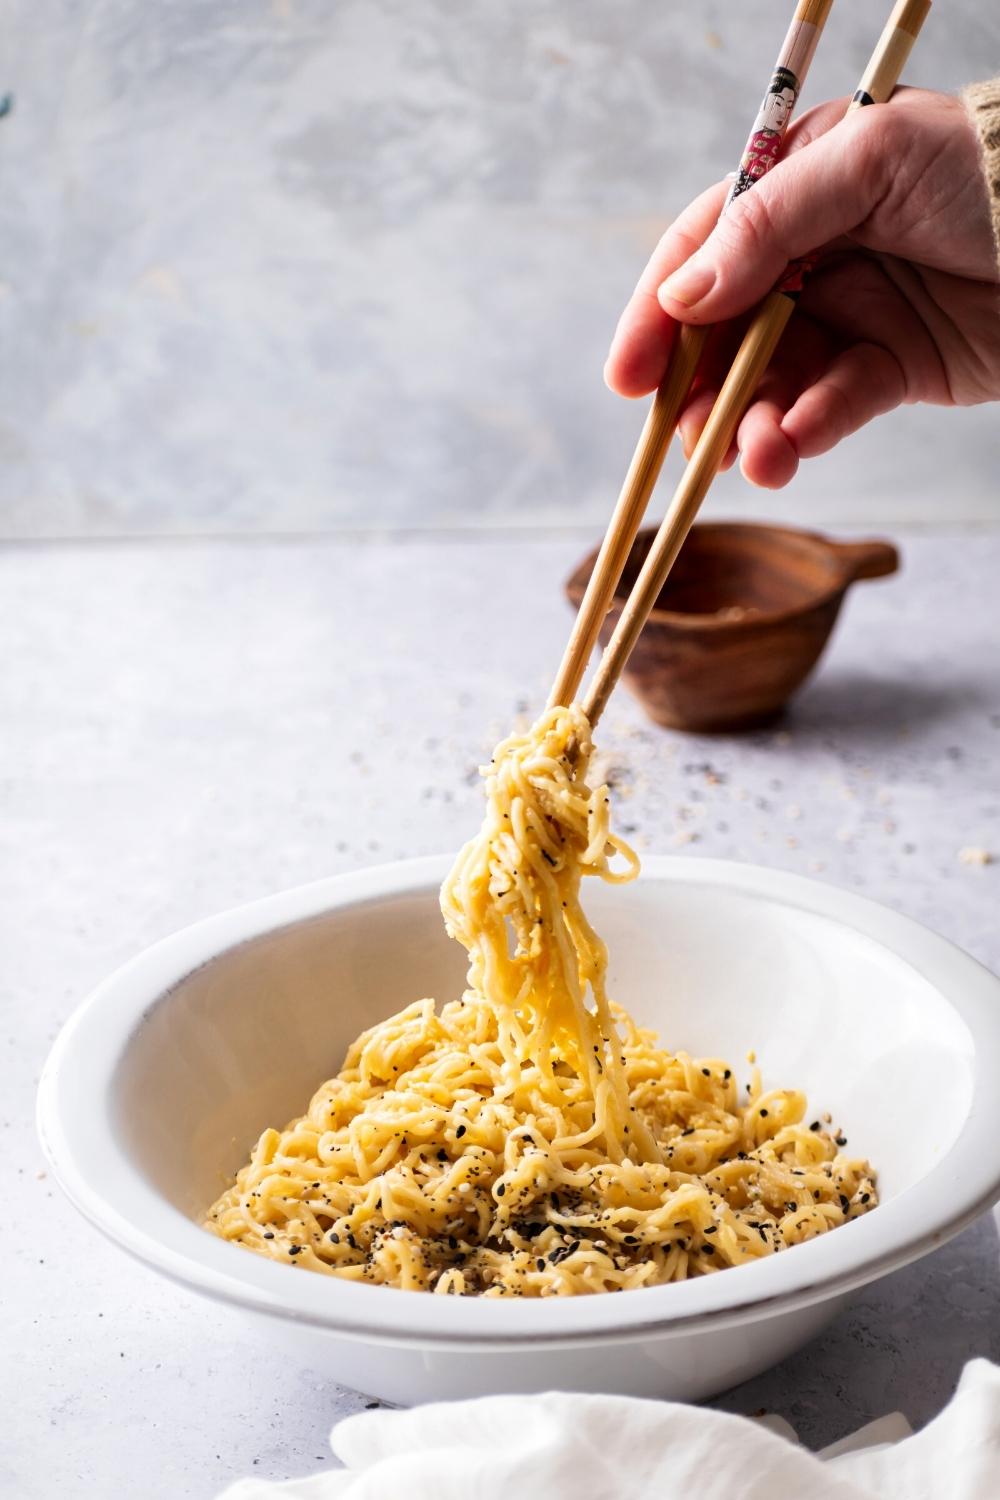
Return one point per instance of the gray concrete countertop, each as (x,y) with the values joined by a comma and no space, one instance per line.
(189,725)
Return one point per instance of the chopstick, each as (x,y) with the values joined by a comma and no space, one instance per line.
(759,343)
(788,76)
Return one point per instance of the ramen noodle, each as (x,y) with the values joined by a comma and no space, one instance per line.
(529,1139)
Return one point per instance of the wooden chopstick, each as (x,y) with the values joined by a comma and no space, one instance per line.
(788,76)
(759,343)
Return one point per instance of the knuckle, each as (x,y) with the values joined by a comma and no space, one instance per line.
(664,243)
(677,244)
(754,228)
(879,143)
(840,417)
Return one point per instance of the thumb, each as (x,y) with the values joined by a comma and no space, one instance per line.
(822,191)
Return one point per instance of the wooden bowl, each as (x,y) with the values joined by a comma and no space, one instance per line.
(741,620)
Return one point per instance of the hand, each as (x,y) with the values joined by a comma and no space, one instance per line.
(904,305)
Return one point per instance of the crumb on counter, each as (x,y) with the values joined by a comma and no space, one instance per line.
(972,854)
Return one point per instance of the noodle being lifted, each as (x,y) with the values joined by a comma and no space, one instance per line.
(530,1140)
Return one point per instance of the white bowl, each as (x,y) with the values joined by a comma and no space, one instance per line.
(165,1076)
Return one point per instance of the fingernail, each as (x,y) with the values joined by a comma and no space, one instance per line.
(688,285)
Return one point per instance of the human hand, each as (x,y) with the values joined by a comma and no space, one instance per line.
(903,305)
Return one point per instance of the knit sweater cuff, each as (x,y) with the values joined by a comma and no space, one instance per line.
(982,100)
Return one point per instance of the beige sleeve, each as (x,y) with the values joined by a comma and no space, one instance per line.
(982,100)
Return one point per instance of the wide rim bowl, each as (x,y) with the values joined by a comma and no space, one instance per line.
(91,1163)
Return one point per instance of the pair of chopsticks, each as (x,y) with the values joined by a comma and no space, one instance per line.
(752,358)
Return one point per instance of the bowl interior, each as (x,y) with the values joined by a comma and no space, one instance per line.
(243,1041)
(728,566)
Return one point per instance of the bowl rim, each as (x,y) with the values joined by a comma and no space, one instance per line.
(90,1163)
(683,621)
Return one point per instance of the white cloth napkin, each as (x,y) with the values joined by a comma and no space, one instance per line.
(574,1447)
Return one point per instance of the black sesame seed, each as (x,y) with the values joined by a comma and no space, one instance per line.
(460,1132)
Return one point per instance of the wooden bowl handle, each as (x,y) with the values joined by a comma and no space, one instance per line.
(870,559)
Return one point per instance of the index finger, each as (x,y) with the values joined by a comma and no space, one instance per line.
(640,348)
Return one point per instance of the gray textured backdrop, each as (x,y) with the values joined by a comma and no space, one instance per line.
(314,265)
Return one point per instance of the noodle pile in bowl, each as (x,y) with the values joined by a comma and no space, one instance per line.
(529,1139)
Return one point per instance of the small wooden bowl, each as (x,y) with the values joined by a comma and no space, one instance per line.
(741,621)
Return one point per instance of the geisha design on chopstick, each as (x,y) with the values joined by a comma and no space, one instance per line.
(764,145)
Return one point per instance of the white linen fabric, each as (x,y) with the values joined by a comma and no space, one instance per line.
(560,1446)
